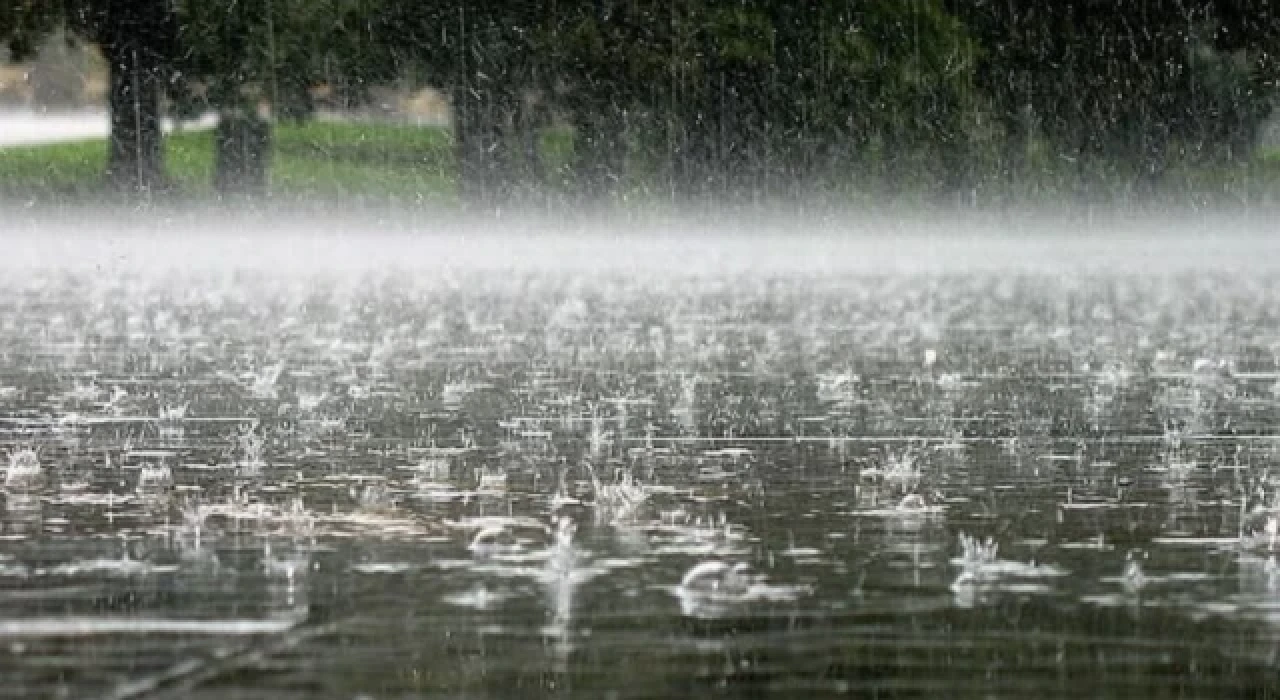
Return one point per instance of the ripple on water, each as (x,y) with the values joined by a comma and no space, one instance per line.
(336,493)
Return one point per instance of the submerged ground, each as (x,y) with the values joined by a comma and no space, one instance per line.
(510,467)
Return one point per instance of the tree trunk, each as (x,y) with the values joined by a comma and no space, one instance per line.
(137,37)
(242,153)
(599,150)
(242,139)
(531,117)
(481,150)
(695,165)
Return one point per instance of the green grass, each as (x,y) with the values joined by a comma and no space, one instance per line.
(314,159)
(68,167)
(341,162)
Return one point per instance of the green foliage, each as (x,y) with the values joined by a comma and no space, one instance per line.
(23,23)
(236,55)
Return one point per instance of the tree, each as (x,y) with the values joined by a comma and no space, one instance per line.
(255,62)
(1128,88)
(758,96)
(708,98)
(137,40)
(24,24)
(228,65)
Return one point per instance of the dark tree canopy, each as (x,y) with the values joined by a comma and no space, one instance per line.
(757,95)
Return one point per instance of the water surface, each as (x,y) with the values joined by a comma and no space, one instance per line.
(494,483)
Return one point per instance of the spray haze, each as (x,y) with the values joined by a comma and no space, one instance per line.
(773,242)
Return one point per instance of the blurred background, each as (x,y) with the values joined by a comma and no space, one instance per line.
(543,103)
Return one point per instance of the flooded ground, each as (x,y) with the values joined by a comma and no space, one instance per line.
(539,483)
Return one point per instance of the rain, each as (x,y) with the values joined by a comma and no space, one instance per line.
(366,348)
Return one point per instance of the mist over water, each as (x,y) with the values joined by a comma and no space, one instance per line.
(343,454)
(253,235)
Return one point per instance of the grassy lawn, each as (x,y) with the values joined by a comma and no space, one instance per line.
(315,159)
(71,168)
(365,163)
